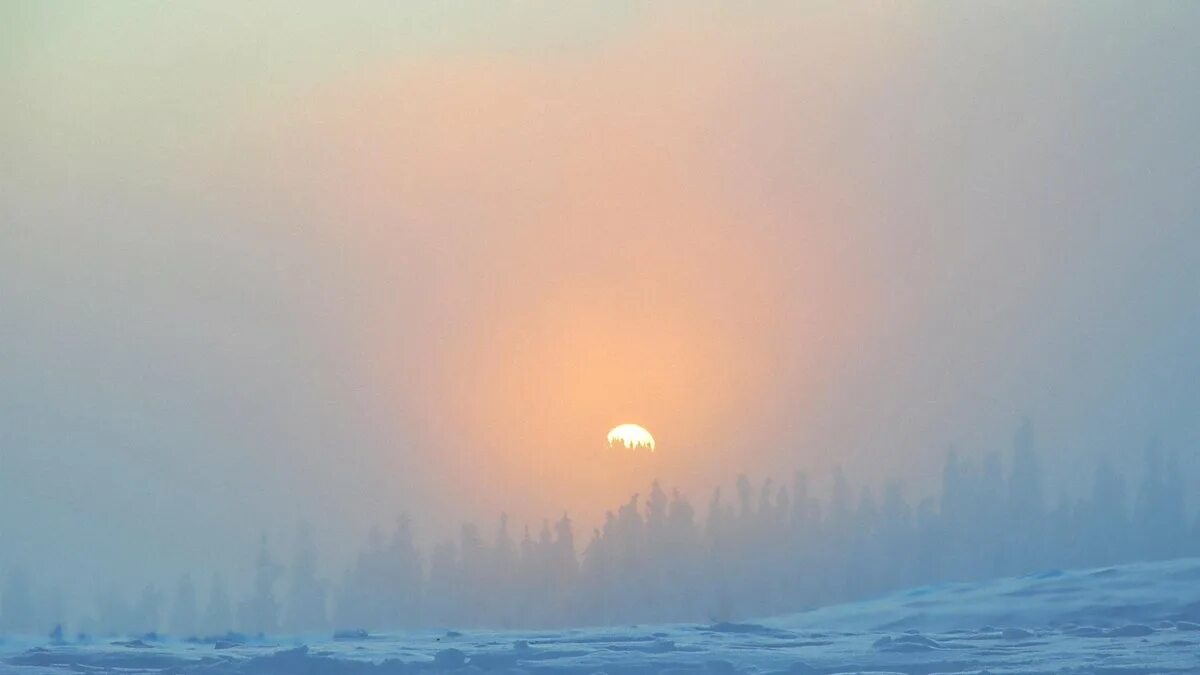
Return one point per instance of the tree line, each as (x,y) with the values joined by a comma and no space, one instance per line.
(768,548)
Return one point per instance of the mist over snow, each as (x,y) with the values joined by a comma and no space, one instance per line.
(755,549)
(314,318)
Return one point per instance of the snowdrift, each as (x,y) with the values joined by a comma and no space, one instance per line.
(1108,597)
(1131,619)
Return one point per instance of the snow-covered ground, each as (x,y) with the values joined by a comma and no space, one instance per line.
(1140,618)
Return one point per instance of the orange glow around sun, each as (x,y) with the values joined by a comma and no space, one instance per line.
(597,282)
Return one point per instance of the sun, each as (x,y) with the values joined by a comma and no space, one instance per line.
(631,436)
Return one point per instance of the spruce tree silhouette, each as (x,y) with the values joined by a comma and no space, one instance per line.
(218,613)
(304,610)
(259,613)
(183,609)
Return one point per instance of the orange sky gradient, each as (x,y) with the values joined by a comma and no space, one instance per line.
(341,263)
(580,254)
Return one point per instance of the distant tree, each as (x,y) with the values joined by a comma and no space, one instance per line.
(1159,511)
(362,599)
(685,559)
(1150,510)
(259,613)
(656,510)
(501,579)
(541,567)
(1106,519)
(1026,502)
(806,511)
(954,519)
(929,542)
(766,504)
(183,609)
(505,553)
(865,559)
(596,570)
(744,490)
(989,518)
(473,574)
(840,502)
(718,516)
(896,537)
(565,568)
(1064,528)
(403,578)
(146,612)
(50,609)
(305,610)
(783,505)
(218,613)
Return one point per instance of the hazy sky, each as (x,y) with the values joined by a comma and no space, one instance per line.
(270,261)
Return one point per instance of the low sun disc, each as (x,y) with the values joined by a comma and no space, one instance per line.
(631,436)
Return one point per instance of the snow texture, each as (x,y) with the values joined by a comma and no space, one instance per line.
(1137,618)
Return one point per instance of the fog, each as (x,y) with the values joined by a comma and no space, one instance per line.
(268,265)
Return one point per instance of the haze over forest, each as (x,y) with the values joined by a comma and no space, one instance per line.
(263,265)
